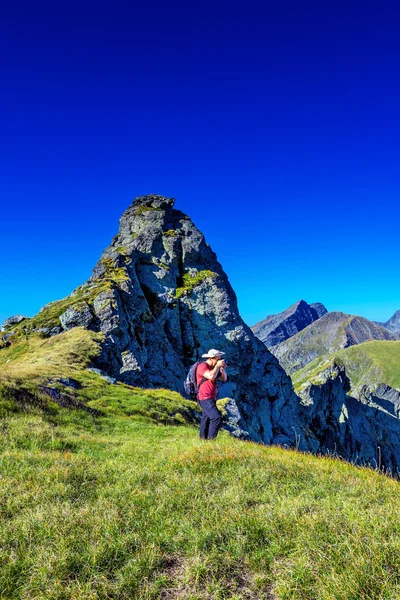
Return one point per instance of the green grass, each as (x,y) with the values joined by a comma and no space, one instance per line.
(28,367)
(133,505)
(117,508)
(374,361)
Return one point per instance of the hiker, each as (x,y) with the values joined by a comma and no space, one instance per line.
(206,378)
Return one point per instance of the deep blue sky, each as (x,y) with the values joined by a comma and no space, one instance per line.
(275,125)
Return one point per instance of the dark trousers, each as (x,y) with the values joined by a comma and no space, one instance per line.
(211,420)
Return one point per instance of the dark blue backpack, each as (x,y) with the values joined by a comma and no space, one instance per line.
(190,384)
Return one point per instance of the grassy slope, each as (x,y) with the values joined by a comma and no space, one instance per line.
(375,361)
(118,508)
(30,365)
(129,506)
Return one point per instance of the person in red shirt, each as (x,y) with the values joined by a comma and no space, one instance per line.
(207,374)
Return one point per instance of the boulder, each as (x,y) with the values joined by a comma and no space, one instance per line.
(12,321)
(76,316)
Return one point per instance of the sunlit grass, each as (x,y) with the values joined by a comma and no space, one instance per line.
(374,361)
(118,508)
(133,505)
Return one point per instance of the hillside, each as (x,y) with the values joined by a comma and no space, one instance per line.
(366,364)
(108,493)
(119,507)
(42,372)
(333,331)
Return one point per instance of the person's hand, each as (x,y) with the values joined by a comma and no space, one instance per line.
(221,363)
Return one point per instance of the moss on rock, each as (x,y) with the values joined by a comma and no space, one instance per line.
(192,281)
(143,209)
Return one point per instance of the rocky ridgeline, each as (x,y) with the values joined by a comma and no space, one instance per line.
(333,331)
(161,299)
(363,429)
(275,329)
(393,324)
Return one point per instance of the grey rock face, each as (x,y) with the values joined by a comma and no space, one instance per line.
(7,336)
(365,431)
(12,321)
(232,418)
(76,317)
(319,308)
(164,301)
(55,330)
(103,375)
(381,396)
(278,328)
(333,331)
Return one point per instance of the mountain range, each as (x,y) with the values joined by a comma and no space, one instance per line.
(301,333)
(333,331)
(158,299)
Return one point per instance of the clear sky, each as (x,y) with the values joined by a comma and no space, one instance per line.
(275,125)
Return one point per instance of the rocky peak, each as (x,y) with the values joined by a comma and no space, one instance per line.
(162,299)
(319,308)
(143,204)
(277,328)
(153,201)
(394,322)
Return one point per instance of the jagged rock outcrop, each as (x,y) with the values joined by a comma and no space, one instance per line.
(332,331)
(76,317)
(12,321)
(365,430)
(161,298)
(278,328)
(381,396)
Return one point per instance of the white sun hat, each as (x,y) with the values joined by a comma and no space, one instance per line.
(213,353)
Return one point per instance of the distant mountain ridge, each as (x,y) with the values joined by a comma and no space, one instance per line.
(393,324)
(333,331)
(372,364)
(275,329)
(303,332)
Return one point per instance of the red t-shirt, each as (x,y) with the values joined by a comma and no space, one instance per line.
(208,389)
